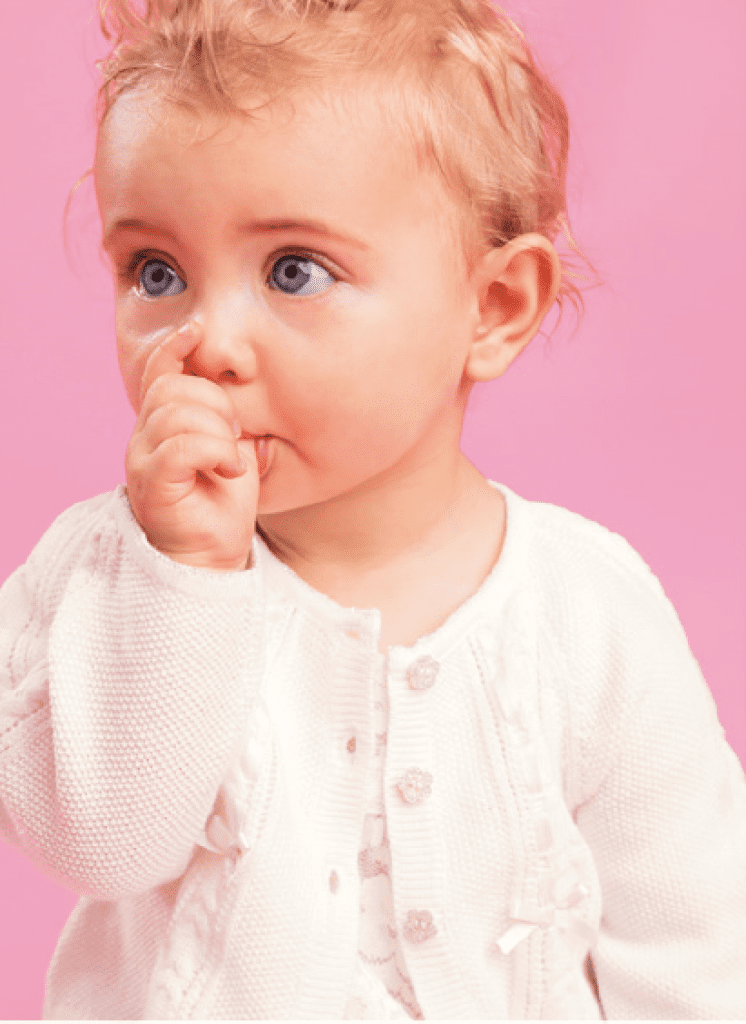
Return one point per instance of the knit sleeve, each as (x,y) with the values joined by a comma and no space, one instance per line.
(666,822)
(125,684)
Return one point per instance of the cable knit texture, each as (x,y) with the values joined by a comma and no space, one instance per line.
(563,823)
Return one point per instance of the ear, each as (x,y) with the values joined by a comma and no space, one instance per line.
(514,287)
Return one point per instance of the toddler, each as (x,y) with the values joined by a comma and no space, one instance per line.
(319,722)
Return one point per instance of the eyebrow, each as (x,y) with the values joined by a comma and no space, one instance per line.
(133,224)
(316,227)
(258,227)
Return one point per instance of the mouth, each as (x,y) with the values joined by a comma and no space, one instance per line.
(264,449)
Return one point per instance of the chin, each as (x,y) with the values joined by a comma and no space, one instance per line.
(273,504)
(273,501)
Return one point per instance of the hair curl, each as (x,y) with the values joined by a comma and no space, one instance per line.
(456,78)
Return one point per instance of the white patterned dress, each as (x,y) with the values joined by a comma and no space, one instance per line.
(381,988)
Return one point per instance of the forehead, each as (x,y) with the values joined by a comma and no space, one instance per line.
(328,156)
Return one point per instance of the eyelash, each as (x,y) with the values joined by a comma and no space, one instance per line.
(142,256)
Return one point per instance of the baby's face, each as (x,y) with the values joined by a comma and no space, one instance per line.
(331,298)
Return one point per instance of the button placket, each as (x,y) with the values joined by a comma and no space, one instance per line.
(413,784)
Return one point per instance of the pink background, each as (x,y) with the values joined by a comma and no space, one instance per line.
(637,422)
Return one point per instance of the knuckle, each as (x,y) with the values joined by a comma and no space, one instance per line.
(135,453)
(181,447)
(159,388)
(149,401)
(162,415)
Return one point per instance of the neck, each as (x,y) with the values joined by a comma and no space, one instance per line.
(385,523)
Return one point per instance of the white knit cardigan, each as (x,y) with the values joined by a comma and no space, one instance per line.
(560,798)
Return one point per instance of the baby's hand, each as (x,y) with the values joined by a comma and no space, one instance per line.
(185,483)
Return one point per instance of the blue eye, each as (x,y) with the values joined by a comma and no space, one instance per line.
(157,279)
(296,272)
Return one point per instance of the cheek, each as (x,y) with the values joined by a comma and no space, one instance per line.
(127,354)
(133,352)
(140,327)
(130,368)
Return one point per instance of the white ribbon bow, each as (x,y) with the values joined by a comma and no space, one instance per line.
(526,918)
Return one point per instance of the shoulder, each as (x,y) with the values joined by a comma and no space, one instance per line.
(594,598)
(84,514)
(588,549)
(31,595)
(69,543)
(586,577)
(73,529)
(600,599)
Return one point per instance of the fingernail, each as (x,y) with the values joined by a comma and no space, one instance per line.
(237,428)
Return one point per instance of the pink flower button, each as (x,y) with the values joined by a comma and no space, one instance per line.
(422,673)
(419,926)
(415,785)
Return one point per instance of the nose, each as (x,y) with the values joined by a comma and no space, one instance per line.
(228,329)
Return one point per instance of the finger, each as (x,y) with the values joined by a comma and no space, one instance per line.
(179,458)
(169,355)
(185,390)
(179,418)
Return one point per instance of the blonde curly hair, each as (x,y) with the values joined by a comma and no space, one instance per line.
(456,80)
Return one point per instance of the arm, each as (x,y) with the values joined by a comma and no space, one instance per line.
(125,686)
(667,827)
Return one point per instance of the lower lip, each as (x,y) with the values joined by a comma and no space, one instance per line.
(264,454)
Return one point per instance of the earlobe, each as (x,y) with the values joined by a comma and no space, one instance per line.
(515,286)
